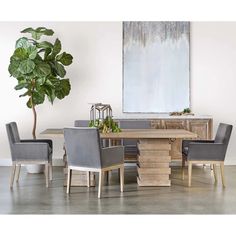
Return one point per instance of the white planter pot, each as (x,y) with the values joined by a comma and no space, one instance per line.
(35,169)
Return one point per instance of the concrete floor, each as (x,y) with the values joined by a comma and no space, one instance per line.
(31,196)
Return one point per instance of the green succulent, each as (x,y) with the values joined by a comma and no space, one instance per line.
(187,110)
(105,126)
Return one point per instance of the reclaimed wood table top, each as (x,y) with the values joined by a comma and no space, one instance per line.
(133,134)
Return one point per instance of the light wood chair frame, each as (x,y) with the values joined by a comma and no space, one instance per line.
(16,167)
(213,165)
(101,176)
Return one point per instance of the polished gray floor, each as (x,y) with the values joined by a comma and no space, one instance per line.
(31,196)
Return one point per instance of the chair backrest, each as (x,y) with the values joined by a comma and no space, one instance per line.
(81,123)
(13,136)
(223,133)
(83,147)
(12,133)
(133,124)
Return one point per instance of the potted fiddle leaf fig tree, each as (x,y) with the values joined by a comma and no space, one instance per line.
(39,68)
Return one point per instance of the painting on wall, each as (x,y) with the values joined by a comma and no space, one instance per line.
(156,66)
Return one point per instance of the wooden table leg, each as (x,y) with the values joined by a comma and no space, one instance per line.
(153,162)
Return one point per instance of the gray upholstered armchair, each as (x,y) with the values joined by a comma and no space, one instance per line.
(207,151)
(131,149)
(84,153)
(28,151)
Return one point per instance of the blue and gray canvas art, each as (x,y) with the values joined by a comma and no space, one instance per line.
(156,66)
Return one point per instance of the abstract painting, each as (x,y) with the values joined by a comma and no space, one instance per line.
(156,66)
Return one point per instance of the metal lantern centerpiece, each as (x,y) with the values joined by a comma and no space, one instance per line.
(100,111)
(101,117)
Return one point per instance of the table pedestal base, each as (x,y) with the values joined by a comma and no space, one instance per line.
(154,162)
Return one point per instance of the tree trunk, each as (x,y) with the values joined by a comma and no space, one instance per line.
(35,118)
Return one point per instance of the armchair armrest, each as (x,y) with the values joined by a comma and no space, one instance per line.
(185,143)
(206,151)
(31,151)
(49,141)
(112,155)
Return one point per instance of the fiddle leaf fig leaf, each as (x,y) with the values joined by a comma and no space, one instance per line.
(25,94)
(47,52)
(56,49)
(48,32)
(21,86)
(63,89)
(26,66)
(40,81)
(60,70)
(20,54)
(32,52)
(65,58)
(13,68)
(38,97)
(44,45)
(22,43)
(29,104)
(38,32)
(42,69)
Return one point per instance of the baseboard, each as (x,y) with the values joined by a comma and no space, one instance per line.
(59,162)
(8,162)
(5,162)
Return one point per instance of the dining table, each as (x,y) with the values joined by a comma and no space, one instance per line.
(154,151)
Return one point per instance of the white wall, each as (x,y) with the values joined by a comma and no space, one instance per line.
(96,76)
(213,74)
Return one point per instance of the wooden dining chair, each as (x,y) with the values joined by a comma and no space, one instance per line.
(84,153)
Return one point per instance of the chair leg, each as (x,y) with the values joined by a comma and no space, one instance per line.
(189,173)
(222,173)
(13,171)
(183,166)
(18,173)
(100,183)
(68,180)
(106,176)
(47,173)
(50,171)
(122,179)
(88,179)
(215,172)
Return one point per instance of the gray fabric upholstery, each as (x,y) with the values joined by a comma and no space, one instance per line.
(83,149)
(48,141)
(209,150)
(81,123)
(131,145)
(112,156)
(185,144)
(85,123)
(27,150)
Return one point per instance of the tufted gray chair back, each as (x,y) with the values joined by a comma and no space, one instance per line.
(83,147)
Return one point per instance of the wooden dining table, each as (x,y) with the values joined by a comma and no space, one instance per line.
(154,151)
